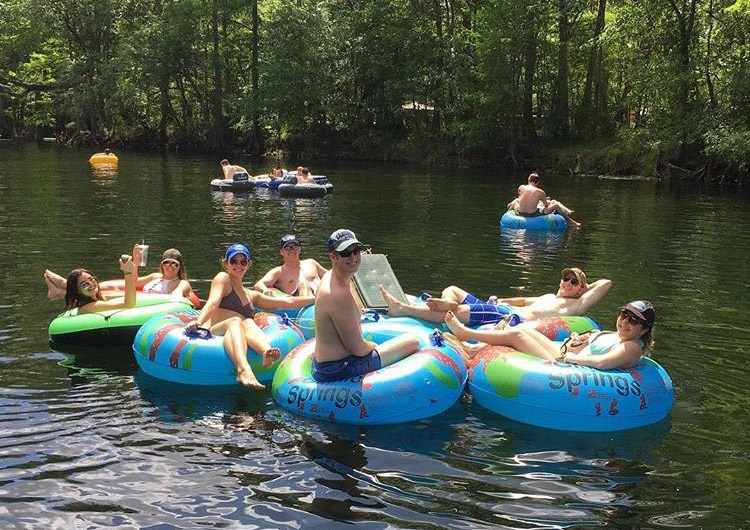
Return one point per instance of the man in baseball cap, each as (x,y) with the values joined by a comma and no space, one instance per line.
(343,239)
(340,350)
(296,276)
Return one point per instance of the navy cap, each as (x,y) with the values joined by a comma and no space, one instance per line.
(342,239)
(643,310)
(237,248)
(289,239)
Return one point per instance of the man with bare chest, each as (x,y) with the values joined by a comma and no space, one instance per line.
(295,277)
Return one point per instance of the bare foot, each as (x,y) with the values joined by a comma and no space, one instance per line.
(270,356)
(576,223)
(455,325)
(56,285)
(440,304)
(395,307)
(247,379)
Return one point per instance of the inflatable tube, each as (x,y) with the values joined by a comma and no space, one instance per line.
(556,328)
(240,184)
(117,326)
(264,181)
(103,158)
(119,285)
(305,190)
(419,386)
(566,396)
(551,221)
(163,350)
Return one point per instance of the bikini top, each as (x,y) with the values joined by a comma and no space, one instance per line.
(600,342)
(160,285)
(232,302)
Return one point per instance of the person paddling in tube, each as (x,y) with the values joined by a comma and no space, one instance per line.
(82,288)
(340,350)
(233,172)
(295,276)
(574,296)
(230,308)
(172,279)
(533,201)
(598,349)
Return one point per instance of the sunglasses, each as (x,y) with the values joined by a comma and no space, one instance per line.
(632,319)
(572,279)
(242,262)
(291,247)
(171,262)
(87,284)
(349,251)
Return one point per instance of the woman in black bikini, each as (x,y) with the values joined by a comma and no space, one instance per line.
(230,308)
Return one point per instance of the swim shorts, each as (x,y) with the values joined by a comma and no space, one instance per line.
(487,313)
(532,214)
(346,368)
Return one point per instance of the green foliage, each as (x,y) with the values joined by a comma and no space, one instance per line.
(385,78)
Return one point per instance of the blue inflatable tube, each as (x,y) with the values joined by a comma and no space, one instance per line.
(551,221)
(419,386)
(163,350)
(566,396)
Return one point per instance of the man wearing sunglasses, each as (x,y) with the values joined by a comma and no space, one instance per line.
(340,350)
(296,277)
(574,296)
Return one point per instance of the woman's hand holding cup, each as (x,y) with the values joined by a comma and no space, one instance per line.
(126,264)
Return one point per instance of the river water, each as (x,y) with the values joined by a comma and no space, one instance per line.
(88,441)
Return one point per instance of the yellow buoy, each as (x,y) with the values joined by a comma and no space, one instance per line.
(103,158)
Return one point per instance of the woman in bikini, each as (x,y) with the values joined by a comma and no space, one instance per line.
(230,308)
(171,280)
(82,290)
(598,349)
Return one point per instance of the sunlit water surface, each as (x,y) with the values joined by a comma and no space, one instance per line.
(88,441)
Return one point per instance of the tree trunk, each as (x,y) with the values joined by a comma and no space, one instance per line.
(217,143)
(592,89)
(561,127)
(438,85)
(256,138)
(529,71)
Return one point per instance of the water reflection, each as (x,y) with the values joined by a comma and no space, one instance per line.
(180,403)
(531,248)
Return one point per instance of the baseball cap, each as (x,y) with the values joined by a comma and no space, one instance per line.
(342,239)
(289,239)
(575,271)
(173,254)
(643,309)
(237,248)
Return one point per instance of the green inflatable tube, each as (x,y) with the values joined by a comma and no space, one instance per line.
(114,327)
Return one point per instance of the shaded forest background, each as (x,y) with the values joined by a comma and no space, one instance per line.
(647,86)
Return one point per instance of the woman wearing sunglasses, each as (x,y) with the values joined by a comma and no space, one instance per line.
(83,293)
(230,308)
(172,279)
(599,349)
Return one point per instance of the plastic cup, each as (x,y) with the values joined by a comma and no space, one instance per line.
(144,255)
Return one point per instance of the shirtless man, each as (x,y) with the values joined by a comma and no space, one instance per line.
(295,277)
(304,177)
(574,297)
(231,170)
(529,197)
(340,351)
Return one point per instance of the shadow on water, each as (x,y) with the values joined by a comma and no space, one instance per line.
(181,403)
(101,362)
